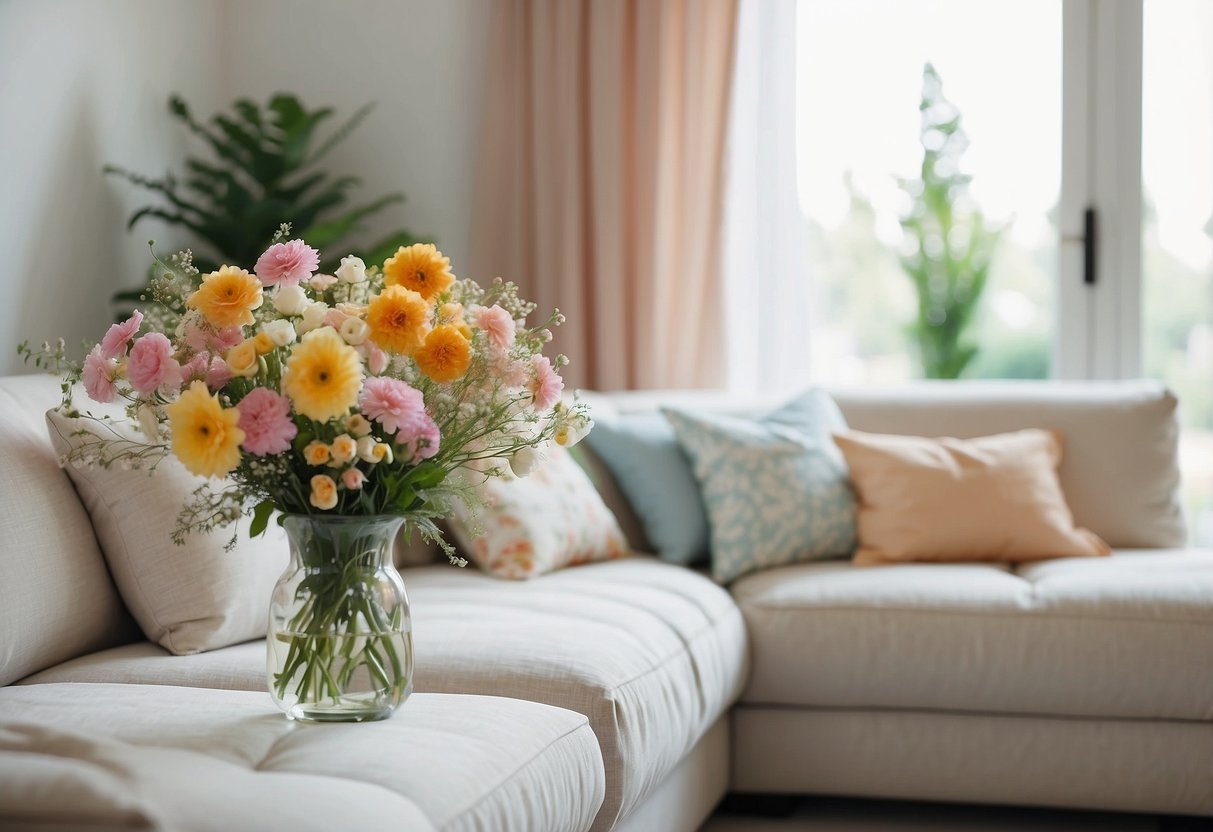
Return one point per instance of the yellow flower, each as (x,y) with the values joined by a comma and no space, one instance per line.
(445,355)
(206,437)
(316,452)
(227,297)
(242,359)
(323,375)
(263,342)
(399,319)
(324,492)
(420,267)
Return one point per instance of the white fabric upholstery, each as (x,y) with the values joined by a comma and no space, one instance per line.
(1119,473)
(1127,636)
(184,758)
(1120,765)
(57,598)
(652,653)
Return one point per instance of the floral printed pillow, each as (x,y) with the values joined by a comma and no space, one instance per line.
(538,524)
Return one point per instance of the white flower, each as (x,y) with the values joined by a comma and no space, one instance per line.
(366,449)
(149,422)
(351,270)
(290,300)
(525,460)
(313,317)
(281,332)
(354,331)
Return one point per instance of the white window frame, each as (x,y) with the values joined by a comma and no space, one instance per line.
(1098,333)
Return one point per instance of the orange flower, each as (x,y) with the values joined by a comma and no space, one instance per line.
(420,267)
(399,319)
(227,297)
(445,355)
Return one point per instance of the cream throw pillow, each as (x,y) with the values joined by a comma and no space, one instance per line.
(189,598)
(991,498)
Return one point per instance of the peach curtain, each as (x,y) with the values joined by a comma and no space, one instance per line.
(599,190)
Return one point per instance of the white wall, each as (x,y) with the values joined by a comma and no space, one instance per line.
(83,84)
(86,83)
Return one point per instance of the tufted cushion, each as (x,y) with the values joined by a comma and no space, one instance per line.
(159,757)
(1126,636)
(652,653)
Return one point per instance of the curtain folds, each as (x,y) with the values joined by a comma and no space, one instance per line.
(599,188)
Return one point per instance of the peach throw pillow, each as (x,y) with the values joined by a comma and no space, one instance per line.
(991,498)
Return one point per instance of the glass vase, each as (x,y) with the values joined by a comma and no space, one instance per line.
(340,642)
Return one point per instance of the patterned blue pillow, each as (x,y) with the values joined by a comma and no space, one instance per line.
(776,489)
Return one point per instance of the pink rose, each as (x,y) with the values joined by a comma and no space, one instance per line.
(497,325)
(352,478)
(547,385)
(200,337)
(99,376)
(419,440)
(376,360)
(113,345)
(152,365)
(218,374)
(196,367)
(265,418)
(287,263)
(320,282)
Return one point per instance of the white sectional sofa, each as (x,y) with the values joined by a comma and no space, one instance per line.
(638,692)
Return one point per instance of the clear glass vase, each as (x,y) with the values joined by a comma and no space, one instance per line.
(340,642)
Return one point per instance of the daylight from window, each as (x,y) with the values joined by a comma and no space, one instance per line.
(1177,246)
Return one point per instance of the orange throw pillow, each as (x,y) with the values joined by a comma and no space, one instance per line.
(991,498)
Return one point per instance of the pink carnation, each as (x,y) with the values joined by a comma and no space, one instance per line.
(497,325)
(393,404)
(547,385)
(99,376)
(195,368)
(114,343)
(152,365)
(419,440)
(287,263)
(265,418)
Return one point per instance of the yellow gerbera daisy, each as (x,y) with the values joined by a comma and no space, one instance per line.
(399,319)
(227,297)
(206,437)
(323,375)
(445,355)
(420,267)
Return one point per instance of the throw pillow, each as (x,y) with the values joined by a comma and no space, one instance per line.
(190,598)
(643,455)
(539,523)
(775,489)
(991,498)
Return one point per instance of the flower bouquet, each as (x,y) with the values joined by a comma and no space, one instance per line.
(345,404)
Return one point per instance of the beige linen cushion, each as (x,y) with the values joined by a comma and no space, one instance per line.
(56,599)
(187,598)
(991,498)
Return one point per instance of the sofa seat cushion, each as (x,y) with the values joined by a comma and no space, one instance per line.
(1127,636)
(652,653)
(159,757)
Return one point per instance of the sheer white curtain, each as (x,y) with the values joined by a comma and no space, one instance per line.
(768,288)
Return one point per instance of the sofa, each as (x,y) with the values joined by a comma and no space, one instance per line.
(633,694)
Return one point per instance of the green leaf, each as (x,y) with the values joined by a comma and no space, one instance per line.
(261,517)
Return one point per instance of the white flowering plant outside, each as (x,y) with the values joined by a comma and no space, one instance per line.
(358,393)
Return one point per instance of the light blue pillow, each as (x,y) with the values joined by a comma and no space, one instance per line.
(644,457)
(776,489)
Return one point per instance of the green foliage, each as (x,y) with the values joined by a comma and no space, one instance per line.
(949,243)
(263,174)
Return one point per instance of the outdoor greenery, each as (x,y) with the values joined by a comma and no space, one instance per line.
(263,172)
(949,242)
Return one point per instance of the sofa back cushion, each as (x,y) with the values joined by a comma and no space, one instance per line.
(56,594)
(1120,470)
